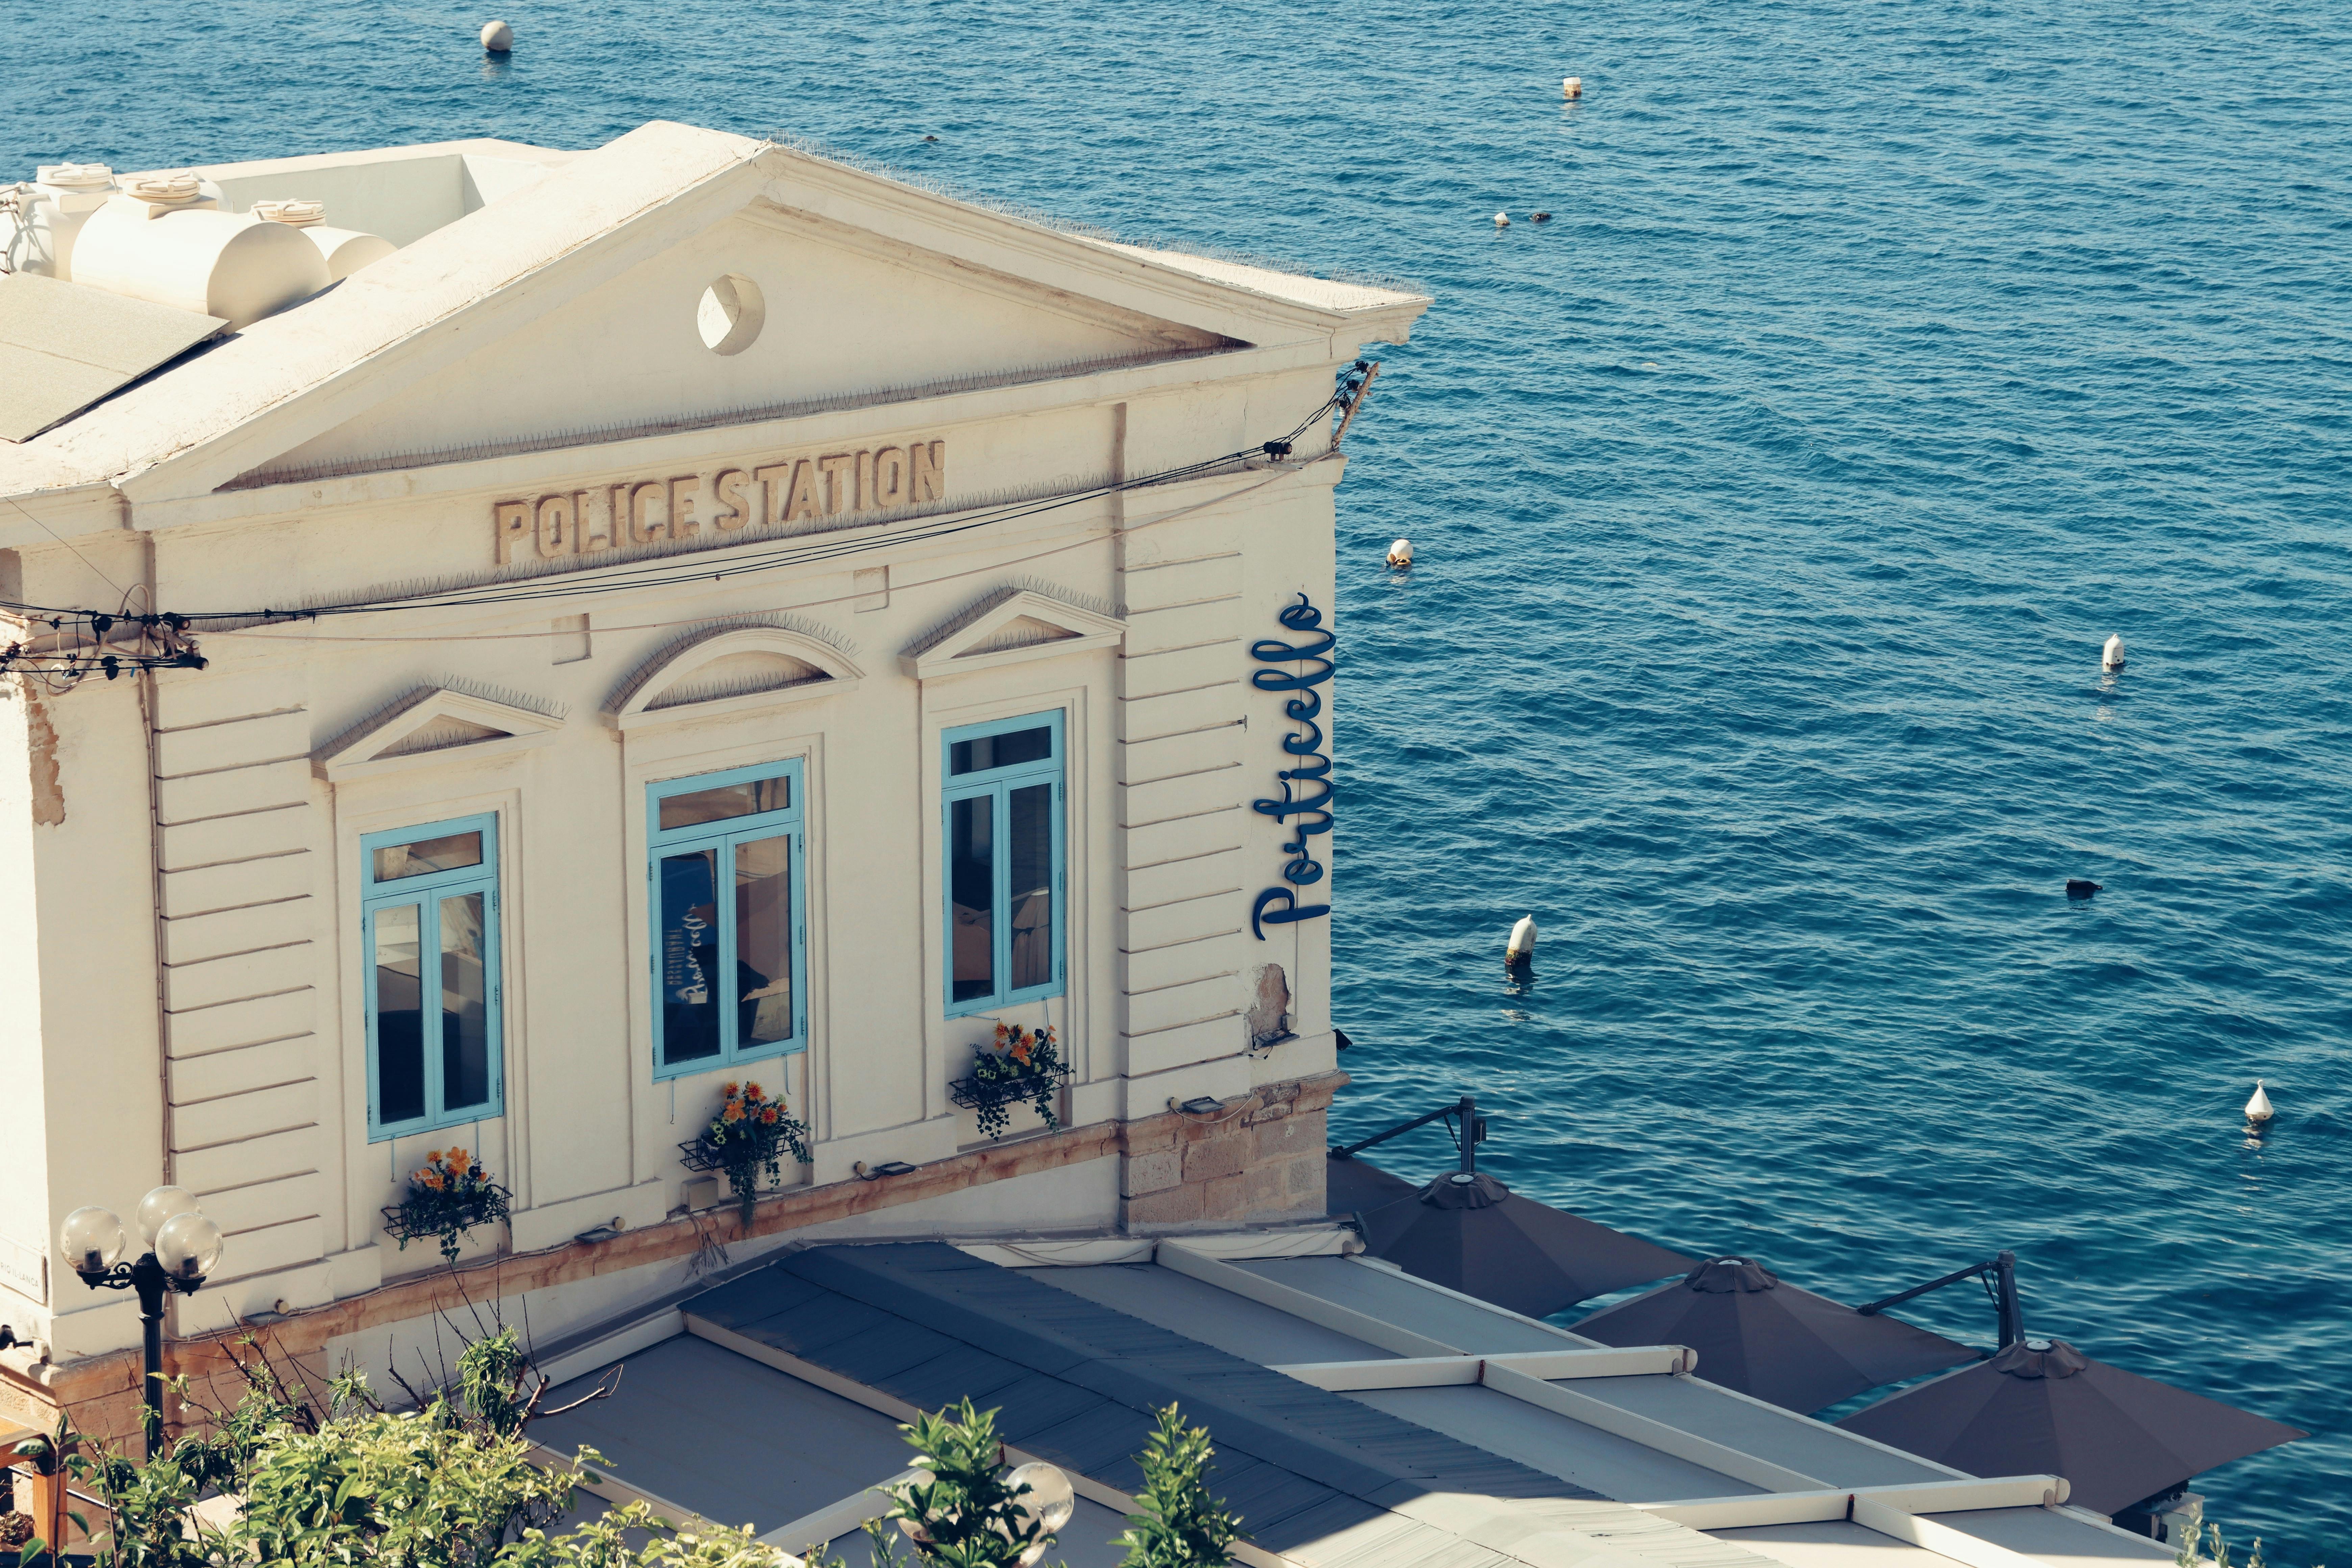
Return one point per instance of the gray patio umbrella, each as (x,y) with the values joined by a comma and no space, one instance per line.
(1470,1233)
(1761,1336)
(2042,1408)
(1353,1187)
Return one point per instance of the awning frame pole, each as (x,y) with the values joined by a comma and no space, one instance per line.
(1998,1275)
(1474,1132)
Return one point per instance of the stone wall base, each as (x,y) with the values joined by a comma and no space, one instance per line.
(1260,1158)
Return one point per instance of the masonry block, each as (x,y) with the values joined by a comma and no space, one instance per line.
(1288,1135)
(1150,1172)
(1226,1197)
(1219,1158)
(1177,1205)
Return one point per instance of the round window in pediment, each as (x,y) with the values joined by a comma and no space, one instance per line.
(732,315)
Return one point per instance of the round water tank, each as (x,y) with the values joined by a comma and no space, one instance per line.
(347,249)
(199,259)
(59,203)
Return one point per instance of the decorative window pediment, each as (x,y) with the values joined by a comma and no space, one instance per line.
(1010,625)
(732,669)
(432,724)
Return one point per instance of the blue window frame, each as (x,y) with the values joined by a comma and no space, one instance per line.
(1002,784)
(729,975)
(429,916)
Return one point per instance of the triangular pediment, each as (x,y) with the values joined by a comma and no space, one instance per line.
(1010,625)
(728,670)
(607,298)
(764,314)
(430,725)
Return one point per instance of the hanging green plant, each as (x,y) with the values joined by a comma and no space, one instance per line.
(447,1196)
(747,1139)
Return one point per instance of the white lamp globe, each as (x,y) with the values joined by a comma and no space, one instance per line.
(1048,1503)
(161,1205)
(91,1238)
(188,1246)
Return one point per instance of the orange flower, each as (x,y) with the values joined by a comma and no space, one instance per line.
(1021,1046)
(768,1115)
(433,1156)
(458,1161)
(733,1112)
(728,1090)
(751,1093)
(429,1179)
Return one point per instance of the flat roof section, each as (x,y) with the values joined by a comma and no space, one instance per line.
(1616,1468)
(1396,1297)
(2062,1538)
(1183,1305)
(1833,1543)
(1799,1442)
(727,1437)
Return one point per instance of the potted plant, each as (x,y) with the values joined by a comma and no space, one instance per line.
(748,1135)
(447,1196)
(1020,1063)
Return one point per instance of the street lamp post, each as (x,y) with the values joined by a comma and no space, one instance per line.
(183,1247)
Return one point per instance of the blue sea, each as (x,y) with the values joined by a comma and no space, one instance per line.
(1772,502)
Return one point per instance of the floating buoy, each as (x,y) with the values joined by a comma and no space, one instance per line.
(930,138)
(1539,217)
(1501,220)
(1572,86)
(1523,940)
(2258,1109)
(2080,887)
(2112,656)
(1400,555)
(498,37)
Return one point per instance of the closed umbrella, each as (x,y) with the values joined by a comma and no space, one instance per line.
(1762,1336)
(1470,1233)
(2042,1408)
(1353,1187)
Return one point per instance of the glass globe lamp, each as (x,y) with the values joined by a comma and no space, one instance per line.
(188,1246)
(91,1238)
(162,1205)
(1048,1503)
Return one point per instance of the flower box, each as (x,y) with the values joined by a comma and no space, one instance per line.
(1021,1066)
(448,1197)
(749,1134)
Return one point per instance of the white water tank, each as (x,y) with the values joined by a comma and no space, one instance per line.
(346,250)
(156,242)
(54,210)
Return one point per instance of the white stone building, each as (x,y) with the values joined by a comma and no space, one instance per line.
(688,502)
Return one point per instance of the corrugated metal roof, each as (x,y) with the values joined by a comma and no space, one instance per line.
(1074,1381)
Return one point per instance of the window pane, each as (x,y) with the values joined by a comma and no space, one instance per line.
(688,938)
(763,942)
(1032,906)
(464,1004)
(1000,751)
(726,801)
(453,852)
(972,896)
(399,1043)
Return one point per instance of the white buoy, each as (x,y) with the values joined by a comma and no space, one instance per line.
(1572,86)
(2258,1109)
(1400,554)
(1501,220)
(2112,656)
(498,37)
(1523,940)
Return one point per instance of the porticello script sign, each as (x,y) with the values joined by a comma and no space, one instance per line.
(1310,768)
(760,495)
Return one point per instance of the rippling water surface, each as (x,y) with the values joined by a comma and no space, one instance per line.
(1772,502)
